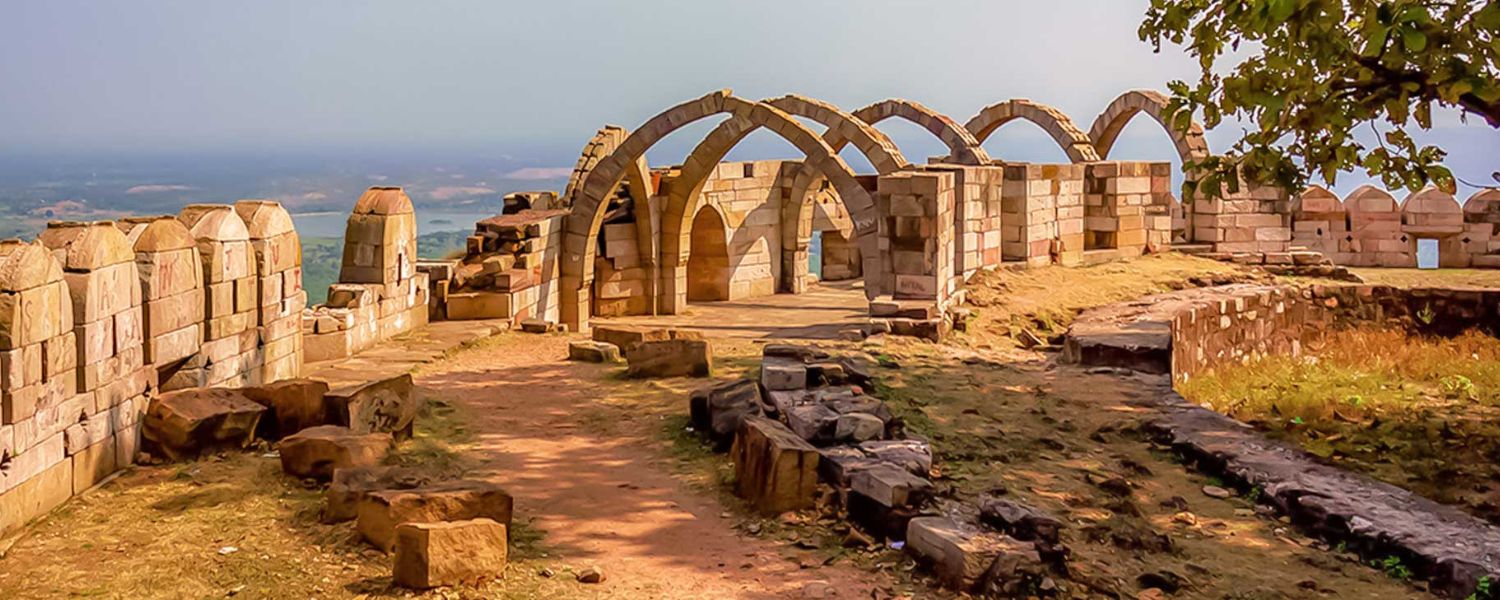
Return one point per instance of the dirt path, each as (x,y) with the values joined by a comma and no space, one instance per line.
(612,500)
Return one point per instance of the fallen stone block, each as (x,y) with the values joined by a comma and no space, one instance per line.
(386,405)
(775,470)
(1020,521)
(186,423)
(913,455)
(813,422)
(295,404)
(536,326)
(670,358)
(430,555)
(794,351)
(717,411)
(965,558)
(380,512)
(316,451)
(782,374)
(591,351)
(625,338)
(858,427)
(884,497)
(341,500)
(837,464)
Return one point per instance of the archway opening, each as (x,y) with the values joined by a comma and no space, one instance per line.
(834,248)
(708,268)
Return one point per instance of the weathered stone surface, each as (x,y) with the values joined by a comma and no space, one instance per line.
(775,470)
(536,326)
(185,423)
(963,556)
(316,451)
(858,427)
(449,553)
(341,501)
(813,422)
(389,405)
(913,455)
(1019,520)
(797,352)
(295,404)
(670,358)
(838,464)
(890,486)
(625,337)
(591,351)
(1451,547)
(717,411)
(380,512)
(783,374)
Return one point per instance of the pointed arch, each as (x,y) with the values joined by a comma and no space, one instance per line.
(1073,140)
(1191,147)
(587,212)
(844,128)
(962,147)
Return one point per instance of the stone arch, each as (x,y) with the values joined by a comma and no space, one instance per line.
(638,185)
(1073,140)
(1483,208)
(962,147)
(1191,147)
(587,212)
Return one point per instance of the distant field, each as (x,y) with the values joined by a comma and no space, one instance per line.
(321,257)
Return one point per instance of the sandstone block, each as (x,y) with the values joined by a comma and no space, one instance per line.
(295,405)
(430,555)
(783,375)
(380,512)
(717,411)
(348,486)
(962,556)
(386,405)
(775,470)
(591,351)
(185,423)
(625,338)
(316,451)
(670,358)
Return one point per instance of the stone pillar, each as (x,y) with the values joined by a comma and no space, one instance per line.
(1067,189)
(280,299)
(38,358)
(1029,215)
(171,278)
(112,378)
(919,216)
(1119,210)
(1256,219)
(230,354)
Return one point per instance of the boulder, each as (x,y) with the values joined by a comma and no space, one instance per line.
(774,469)
(430,555)
(965,558)
(591,351)
(380,512)
(295,404)
(316,451)
(670,358)
(341,501)
(186,423)
(717,411)
(386,405)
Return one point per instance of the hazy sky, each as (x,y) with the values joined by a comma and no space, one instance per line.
(176,75)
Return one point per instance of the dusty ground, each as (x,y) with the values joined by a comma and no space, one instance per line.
(605,476)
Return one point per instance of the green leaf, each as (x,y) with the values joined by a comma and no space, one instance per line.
(1414,40)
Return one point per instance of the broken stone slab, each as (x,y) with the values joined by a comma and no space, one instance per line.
(815,423)
(316,451)
(295,404)
(384,405)
(783,374)
(775,470)
(670,358)
(591,351)
(826,373)
(963,556)
(855,403)
(380,512)
(536,326)
(625,337)
(1444,544)
(183,424)
(884,497)
(450,553)
(1019,520)
(837,464)
(348,485)
(858,427)
(717,411)
(913,455)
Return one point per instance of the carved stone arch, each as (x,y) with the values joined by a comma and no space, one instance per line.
(1068,136)
(638,185)
(962,147)
(587,211)
(844,128)
(1191,147)
(685,194)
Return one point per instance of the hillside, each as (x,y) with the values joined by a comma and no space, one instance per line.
(321,257)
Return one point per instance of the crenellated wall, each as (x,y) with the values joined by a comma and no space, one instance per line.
(1369,228)
(96,317)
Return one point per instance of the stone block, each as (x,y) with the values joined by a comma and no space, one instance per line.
(316,451)
(380,512)
(783,375)
(185,423)
(717,411)
(962,556)
(466,306)
(670,358)
(450,553)
(625,337)
(348,486)
(591,351)
(775,470)
(295,405)
(387,405)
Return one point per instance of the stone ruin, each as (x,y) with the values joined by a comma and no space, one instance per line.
(97,318)
(508,271)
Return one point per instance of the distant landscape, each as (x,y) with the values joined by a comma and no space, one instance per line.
(321,257)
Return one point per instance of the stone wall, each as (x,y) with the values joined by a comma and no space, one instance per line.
(1369,228)
(94,316)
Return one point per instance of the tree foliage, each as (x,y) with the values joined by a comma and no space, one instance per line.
(1314,72)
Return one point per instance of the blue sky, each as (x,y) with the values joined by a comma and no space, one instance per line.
(511,77)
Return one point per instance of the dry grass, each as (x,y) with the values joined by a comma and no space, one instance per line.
(1043,301)
(1422,413)
(234,524)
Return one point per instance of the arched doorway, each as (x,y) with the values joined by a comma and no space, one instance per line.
(708,258)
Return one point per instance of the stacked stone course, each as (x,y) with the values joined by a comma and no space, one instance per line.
(279,298)
(171,278)
(509,270)
(229,355)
